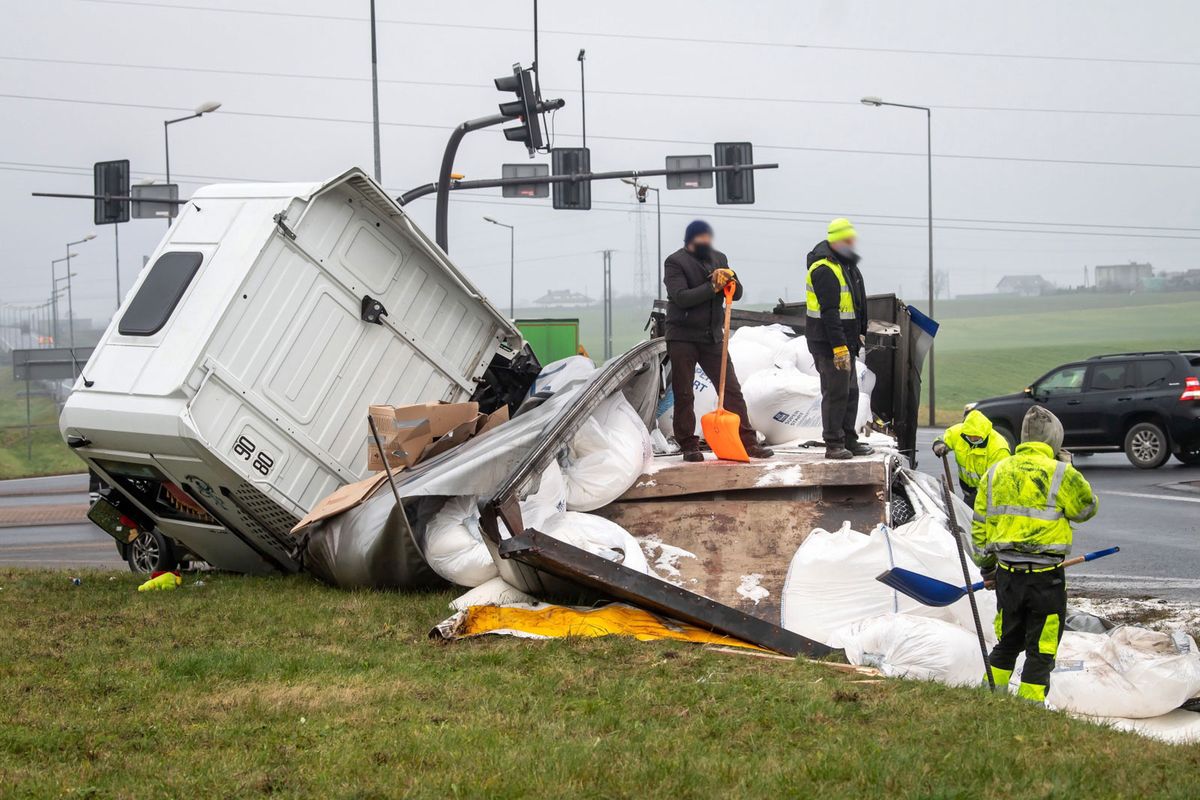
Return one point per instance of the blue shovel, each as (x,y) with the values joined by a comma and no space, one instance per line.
(932,592)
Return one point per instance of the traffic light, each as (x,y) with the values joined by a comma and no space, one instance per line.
(572,161)
(111,178)
(524,108)
(735,187)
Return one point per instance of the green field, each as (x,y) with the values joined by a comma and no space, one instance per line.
(50,455)
(995,345)
(251,687)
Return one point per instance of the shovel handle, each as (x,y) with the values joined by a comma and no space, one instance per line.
(729,288)
(1070,562)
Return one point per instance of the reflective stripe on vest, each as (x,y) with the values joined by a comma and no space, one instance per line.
(845,305)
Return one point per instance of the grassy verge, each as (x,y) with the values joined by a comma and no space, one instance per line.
(248,687)
(50,455)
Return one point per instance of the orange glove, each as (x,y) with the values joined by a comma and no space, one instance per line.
(720,277)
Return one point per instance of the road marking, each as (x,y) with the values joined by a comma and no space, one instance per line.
(1156,581)
(1154,496)
(54,546)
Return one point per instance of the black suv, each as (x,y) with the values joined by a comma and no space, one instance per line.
(1147,404)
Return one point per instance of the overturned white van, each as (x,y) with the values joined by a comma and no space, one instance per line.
(229,393)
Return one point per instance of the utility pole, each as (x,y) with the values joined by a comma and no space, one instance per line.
(607,304)
(582,99)
(375,96)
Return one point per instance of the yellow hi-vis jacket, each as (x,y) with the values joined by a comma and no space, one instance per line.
(974,462)
(1025,507)
(845,304)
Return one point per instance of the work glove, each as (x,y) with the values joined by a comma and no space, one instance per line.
(989,578)
(720,277)
(841,358)
(940,448)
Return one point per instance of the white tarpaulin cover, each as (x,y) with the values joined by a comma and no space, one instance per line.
(607,454)
(831,581)
(1129,672)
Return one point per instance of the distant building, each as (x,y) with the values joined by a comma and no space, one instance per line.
(1123,277)
(564,298)
(1024,285)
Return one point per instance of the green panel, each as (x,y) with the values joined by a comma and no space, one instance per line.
(551,339)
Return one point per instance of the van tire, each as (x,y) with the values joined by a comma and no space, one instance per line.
(151,552)
(1146,446)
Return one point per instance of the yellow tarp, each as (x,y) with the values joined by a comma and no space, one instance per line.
(552,622)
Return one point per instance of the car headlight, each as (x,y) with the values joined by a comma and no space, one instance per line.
(969,407)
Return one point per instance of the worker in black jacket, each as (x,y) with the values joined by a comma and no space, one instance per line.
(695,276)
(836,330)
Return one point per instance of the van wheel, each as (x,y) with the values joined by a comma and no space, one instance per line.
(151,552)
(1146,446)
(1008,436)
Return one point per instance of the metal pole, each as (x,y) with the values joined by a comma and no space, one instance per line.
(512,271)
(375,96)
(70,302)
(117,258)
(167,160)
(929,181)
(582,100)
(658,213)
(54,299)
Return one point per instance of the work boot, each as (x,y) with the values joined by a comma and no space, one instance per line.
(693,455)
(836,452)
(758,451)
(860,449)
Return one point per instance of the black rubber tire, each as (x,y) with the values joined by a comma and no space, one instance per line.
(1008,436)
(1189,457)
(151,552)
(1146,446)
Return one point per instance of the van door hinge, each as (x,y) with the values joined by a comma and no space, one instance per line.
(279,220)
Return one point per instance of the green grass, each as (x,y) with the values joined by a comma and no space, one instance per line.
(51,456)
(248,687)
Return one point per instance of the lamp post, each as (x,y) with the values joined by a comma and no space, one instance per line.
(877,102)
(53,293)
(375,97)
(512,235)
(642,189)
(201,110)
(582,96)
(70,301)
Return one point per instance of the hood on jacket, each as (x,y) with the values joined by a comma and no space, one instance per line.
(977,424)
(1040,425)
(823,250)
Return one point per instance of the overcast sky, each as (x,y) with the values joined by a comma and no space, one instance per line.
(90,80)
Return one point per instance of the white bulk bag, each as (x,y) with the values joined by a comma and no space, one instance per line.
(599,536)
(1129,672)
(866,385)
(795,355)
(561,373)
(495,592)
(454,544)
(549,499)
(831,580)
(754,348)
(606,456)
(784,404)
(919,648)
(704,394)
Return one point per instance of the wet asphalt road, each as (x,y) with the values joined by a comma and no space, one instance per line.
(1151,514)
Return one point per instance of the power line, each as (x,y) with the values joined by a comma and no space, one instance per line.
(612,92)
(649,139)
(658,37)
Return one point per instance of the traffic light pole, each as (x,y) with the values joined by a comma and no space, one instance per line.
(446,184)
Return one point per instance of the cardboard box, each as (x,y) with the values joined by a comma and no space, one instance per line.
(403,439)
(343,499)
(414,433)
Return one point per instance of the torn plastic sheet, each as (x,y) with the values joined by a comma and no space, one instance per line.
(543,621)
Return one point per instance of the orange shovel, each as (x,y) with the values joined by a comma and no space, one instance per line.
(721,426)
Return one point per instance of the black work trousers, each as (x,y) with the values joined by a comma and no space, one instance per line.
(839,400)
(1031,609)
(684,358)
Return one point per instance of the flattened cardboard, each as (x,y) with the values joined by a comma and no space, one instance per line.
(403,443)
(442,417)
(343,499)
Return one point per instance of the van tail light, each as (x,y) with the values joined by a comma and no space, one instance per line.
(1191,389)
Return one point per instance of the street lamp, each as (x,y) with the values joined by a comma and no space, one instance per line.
(512,234)
(877,102)
(70,301)
(641,189)
(201,110)
(53,291)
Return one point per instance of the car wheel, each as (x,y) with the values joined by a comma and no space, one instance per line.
(151,552)
(1189,457)
(1146,446)
(1008,436)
